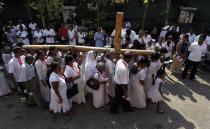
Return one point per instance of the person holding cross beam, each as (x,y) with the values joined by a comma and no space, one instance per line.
(121,78)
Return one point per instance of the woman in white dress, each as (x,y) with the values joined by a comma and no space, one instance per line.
(109,69)
(59,101)
(7,56)
(100,96)
(90,68)
(41,69)
(155,93)
(151,72)
(72,73)
(137,83)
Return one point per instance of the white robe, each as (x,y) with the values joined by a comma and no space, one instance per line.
(90,68)
(136,90)
(54,105)
(100,96)
(151,70)
(41,69)
(110,68)
(73,72)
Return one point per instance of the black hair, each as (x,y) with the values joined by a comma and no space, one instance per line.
(68,59)
(160,72)
(203,36)
(155,56)
(16,49)
(50,51)
(163,50)
(134,69)
(38,54)
(53,67)
(127,55)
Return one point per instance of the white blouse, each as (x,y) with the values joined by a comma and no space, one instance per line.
(41,69)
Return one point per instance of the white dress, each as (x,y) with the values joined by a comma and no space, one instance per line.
(100,97)
(41,69)
(154,93)
(4,88)
(6,58)
(110,68)
(151,70)
(90,68)
(136,90)
(55,106)
(73,72)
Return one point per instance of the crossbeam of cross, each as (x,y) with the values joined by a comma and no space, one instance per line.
(117,43)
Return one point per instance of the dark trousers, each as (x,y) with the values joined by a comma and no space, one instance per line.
(190,65)
(22,88)
(119,100)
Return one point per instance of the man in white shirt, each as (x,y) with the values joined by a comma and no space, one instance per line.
(22,36)
(28,79)
(15,68)
(50,35)
(192,36)
(121,78)
(147,36)
(32,26)
(20,23)
(169,45)
(197,50)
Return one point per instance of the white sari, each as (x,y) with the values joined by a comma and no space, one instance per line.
(90,68)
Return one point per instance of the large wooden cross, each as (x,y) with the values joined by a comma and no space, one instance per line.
(117,43)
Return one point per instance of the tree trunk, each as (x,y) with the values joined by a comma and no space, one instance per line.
(98,11)
(168,5)
(43,21)
(144,16)
(28,7)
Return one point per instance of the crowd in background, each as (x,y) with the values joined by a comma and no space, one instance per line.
(44,76)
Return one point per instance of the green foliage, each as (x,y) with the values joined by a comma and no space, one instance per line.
(39,6)
(50,7)
(54,8)
(1,6)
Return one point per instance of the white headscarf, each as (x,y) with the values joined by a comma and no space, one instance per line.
(90,66)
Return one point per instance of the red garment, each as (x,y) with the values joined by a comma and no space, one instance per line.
(63,32)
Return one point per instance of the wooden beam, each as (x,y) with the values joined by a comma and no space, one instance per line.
(87,48)
(118,28)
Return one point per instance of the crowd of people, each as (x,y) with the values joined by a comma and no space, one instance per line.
(43,77)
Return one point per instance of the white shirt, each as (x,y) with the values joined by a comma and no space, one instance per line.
(159,46)
(72,38)
(81,37)
(41,69)
(39,36)
(147,39)
(32,26)
(27,72)
(132,37)
(191,37)
(169,48)
(23,37)
(50,32)
(121,72)
(15,68)
(18,27)
(197,51)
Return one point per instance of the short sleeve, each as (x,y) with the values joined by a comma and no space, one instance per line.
(49,60)
(141,75)
(11,67)
(68,72)
(53,78)
(190,48)
(23,76)
(96,76)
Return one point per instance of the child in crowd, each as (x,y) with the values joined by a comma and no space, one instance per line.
(155,93)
